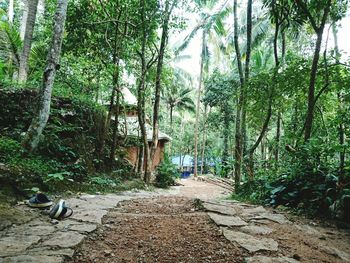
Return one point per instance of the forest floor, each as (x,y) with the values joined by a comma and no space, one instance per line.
(189,223)
(176,229)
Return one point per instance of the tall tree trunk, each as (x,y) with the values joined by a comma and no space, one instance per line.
(31,140)
(204,139)
(24,19)
(238,132)
(278,136)
(196,135)
(313,74)
(262,134)
(27,42)
(226,132)
(141,101)
(341,127)
(171,118)
(163,44)
(10,13)
(311,93)
(116,114)
(246,76)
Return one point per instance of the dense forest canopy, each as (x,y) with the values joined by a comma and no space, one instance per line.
(257,91)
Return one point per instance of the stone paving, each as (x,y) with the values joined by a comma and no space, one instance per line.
(42,240)
(248,225)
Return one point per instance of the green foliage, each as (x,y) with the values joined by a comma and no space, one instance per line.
(166,174)
(308,183)
(58,177)
(9,148)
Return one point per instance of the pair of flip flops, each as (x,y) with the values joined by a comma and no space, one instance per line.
(59,211)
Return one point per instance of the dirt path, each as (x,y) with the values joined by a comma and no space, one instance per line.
(189,223)
(162,229)
(172,229)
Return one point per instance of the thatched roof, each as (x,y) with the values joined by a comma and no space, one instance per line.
(129,126)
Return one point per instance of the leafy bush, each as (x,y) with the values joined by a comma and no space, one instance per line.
(166,174)
(9,148)
(309,183)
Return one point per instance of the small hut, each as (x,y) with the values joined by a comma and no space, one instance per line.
(129,127)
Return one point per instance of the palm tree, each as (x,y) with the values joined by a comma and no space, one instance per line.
(208,21)
(27,42)
(178,98)
(31,139)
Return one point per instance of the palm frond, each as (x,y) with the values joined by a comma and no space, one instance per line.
(10,43)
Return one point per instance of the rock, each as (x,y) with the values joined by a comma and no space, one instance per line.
(277,218)
(37,230)
(256,230)
(308,230)
(253,211)
(16,244)
(88,215)
(264,259)
(64,240)
(219,208)
(250,243)
(222,220)
(48,251)
(36,259)
(336,253)
(83,228)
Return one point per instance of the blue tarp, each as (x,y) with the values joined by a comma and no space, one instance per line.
(187,160)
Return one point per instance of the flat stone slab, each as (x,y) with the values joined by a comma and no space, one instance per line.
(264,259)
(28,259)
(220,208)
(48,251)
(83,228)
(256,230)
(277,218)
(230,221)
(36,230)
(92,216)
(250,243)
(64,240)
(254,211)
(16,244)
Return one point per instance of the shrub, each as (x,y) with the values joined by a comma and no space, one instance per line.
(166,174)
(309,183)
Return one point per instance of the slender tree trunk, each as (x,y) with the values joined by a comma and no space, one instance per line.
(196,135)
(116,114)
(313,74)
(163,44)
(31,139)
(262,134)
(240,99)
(341,127)
(27,42)
(311,93)
(246,80)
(204,139)
(147,162)
(10,13)
(263,151)
(225,153)
(278,136)
(24,19)
(171,118)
